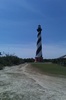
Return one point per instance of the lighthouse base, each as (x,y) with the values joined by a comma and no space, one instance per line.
(38,59)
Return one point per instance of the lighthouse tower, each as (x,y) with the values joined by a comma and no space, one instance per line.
(39,57)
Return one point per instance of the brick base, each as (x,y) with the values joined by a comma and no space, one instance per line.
(38,59)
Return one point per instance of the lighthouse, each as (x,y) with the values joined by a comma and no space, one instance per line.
(39,57)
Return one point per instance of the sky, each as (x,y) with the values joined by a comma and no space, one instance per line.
(19,20)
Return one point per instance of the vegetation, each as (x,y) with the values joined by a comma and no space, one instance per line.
(59,61)
(9,60)
(50,68)
(29,60)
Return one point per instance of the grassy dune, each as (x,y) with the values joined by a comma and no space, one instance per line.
(50,68)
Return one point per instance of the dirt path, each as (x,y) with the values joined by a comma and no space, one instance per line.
(24,83)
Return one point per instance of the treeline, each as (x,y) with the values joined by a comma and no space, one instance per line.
(10,60)
(61,61)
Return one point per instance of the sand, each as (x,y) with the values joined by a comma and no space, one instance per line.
(24,83)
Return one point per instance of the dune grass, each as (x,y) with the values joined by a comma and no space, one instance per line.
(50,68)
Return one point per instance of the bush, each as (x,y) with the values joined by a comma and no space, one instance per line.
(1,66)
(10,60)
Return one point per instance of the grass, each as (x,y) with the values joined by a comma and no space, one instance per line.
(50,68)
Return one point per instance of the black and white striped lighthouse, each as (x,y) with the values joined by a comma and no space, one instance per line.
(39,57)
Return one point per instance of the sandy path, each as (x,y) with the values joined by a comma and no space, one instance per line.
(23,83)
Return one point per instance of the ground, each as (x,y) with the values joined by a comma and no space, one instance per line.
(22,82)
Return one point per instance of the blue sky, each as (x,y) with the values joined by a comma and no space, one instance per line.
(18,23)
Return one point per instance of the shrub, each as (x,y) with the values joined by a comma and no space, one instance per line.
(10,60)
(1,66)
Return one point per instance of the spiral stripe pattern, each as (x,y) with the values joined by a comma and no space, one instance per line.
(39,43)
